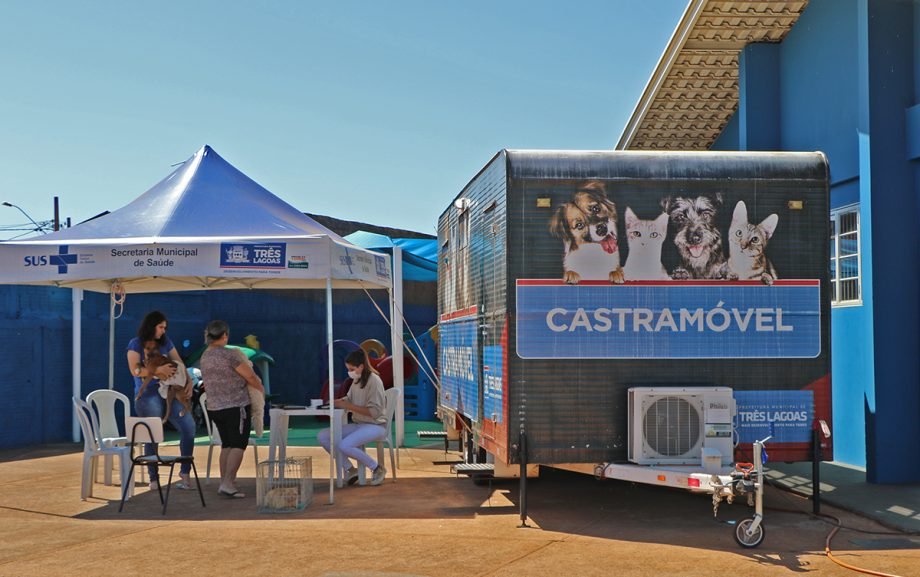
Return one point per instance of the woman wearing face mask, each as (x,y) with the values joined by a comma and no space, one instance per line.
(365,401)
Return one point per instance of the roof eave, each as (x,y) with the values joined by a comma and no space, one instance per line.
(671,51)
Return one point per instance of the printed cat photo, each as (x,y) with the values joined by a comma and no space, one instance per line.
(747,245)
(645,239)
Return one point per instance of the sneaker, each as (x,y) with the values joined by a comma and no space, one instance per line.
(379,475)
(153,486)
(351,476)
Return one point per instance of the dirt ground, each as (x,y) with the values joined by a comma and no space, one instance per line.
(426,523)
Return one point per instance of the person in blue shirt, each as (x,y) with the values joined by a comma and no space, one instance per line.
(149,403)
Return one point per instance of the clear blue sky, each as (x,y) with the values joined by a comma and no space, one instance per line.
(362,110)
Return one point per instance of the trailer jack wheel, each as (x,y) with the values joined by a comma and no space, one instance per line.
(746,540)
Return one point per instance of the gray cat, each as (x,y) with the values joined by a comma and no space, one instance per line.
(747,245)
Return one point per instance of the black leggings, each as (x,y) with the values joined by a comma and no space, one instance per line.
(233,424)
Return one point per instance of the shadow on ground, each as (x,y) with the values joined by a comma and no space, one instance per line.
(432,522)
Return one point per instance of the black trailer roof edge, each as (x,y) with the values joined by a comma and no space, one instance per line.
(510,152)
(472,180)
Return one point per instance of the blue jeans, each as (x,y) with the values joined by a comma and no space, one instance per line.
(154,406)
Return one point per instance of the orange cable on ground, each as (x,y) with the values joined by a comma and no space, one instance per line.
(827,551)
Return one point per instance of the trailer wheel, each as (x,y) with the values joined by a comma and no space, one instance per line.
(749,541)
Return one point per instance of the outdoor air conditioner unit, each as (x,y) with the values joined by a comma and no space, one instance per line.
(681,426)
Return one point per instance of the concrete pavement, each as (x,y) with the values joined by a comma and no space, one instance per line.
(428,522)
(844,486)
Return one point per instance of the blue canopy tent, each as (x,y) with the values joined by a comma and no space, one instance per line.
(419,255)
(205,226)
(417,259)
(413,260)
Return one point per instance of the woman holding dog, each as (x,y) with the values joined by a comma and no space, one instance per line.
(366,403)
(227,373)
(147,400)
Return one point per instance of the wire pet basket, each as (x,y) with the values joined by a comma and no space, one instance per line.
(284,486)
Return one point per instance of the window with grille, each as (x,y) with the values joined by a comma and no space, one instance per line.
(846,283)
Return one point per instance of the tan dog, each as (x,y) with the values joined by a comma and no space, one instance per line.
(153,360)
(570,225)
(587,227)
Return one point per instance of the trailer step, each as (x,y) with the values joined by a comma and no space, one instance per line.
(474,469)
(433,435)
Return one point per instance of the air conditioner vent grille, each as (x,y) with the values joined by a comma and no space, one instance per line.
(672,426)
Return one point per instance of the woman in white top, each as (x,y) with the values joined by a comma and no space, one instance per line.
(366,402)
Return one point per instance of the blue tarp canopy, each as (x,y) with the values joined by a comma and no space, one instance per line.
(420,255)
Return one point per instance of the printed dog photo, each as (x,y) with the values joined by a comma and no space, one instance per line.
(695,232)
(587,226)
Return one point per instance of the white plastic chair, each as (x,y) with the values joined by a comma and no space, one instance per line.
(391,401)
(214,437)
(105,402)
(92,450)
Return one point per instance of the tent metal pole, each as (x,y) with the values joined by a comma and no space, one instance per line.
(111,343)
(333,473)
(76,300)
(396,340)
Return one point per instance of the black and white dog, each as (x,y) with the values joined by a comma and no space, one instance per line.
(694,228)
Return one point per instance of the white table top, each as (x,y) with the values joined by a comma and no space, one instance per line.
(298,410)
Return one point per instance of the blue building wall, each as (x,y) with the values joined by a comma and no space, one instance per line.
(820,103)
(893,454)
(35,336)
(845,82)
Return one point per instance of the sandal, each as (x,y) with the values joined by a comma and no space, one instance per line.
(231,494)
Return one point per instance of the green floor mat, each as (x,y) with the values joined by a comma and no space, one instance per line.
(302,433)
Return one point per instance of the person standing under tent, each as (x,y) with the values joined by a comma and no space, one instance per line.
(226,374)
(366,402)
(149,403)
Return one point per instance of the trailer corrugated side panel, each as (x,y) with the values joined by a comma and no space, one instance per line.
(472,283)
(569,393)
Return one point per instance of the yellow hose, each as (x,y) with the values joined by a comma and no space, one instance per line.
(827,551)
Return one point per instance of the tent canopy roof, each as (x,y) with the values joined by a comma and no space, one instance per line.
(420,255)
(204,196)
(205,226)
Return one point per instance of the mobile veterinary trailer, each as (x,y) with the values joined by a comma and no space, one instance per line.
(617,313)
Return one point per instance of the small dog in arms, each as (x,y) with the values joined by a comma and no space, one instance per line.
(169,388)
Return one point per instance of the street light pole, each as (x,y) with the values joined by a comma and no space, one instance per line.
(38,227)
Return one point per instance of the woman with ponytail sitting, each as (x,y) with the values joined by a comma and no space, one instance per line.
(366,403)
